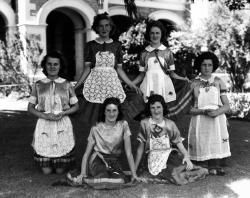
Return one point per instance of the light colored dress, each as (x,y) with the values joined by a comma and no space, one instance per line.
(155,80)
(103,81)
(208,137)
(53,138)
(162,162)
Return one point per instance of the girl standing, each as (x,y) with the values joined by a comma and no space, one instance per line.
(105,144)
(52,100)
(208,135)
(103,61)
(157,65)
(156,137)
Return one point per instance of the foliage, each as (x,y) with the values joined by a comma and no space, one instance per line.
(13,78)
(235,4)
(222,32)
(133,43)
(239,104)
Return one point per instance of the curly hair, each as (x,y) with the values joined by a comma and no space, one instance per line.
(53,54)
(158,24)
(103,16)
(204,56)
(152,100)
(108,101)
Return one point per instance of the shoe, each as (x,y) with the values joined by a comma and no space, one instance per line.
(217,171)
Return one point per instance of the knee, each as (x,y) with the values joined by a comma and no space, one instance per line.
(60,170)
(47,170)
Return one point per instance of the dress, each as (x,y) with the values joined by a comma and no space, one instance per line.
(53,139)
(108,145)
(208,137)
(155,80)
(162,162)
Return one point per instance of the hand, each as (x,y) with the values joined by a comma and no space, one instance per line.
(190,165)
(76,180)
(137,89)
(187,79)
(138,179)
(212,113)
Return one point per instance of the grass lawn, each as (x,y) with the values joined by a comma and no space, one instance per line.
(19,177)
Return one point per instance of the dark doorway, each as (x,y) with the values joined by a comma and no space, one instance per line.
(2,29)
(60,36)
(122,24)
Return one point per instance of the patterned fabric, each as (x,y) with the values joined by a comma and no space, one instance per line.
(103,81)
(208,137)
(155,80)
(109,139)
(163,163)
(53,138)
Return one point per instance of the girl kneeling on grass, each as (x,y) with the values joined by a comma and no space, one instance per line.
(52,100)
(105,144)
(157,135)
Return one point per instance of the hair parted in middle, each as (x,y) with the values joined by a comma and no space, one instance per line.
(205,56)
(53,54)
(152,100)
(108,101)
(103,16)
(158,24)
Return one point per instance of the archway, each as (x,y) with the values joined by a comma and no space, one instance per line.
(2,29)
(60,36)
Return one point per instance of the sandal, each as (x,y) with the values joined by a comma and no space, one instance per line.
(217,171)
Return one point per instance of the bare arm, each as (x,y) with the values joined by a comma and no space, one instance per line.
(85,158)
(139,154)
(33,111)
(130,158)
(186,156)
(139,78)
(84,74)
(176,76)
(125,78)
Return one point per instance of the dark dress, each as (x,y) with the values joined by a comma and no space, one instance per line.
(103,82)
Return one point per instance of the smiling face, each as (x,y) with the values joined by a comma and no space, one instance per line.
(155,35)
(104,28)
(52,67)
(111,113)
(156,111)
(207,68)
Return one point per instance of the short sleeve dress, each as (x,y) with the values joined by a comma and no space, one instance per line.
(208,137)
(156,81)
(53,139)
(162,162)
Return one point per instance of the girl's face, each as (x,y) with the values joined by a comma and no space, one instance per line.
(156,110)
(155,35)
(104,28)
(207,67)
(52,66)
(111,113)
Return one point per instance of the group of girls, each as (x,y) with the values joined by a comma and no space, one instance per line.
(160,154)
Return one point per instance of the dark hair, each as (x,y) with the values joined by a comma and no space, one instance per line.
(103,16)
(53,54)
(108,101)
(160,26)
(152,100)
(204,56)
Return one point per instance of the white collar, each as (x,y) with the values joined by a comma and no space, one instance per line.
(210,80)
(162,124)
(58,80)
(150,48)
(101,42)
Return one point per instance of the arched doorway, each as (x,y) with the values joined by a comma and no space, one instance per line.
(120,27)
(2,29)
(60,36)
